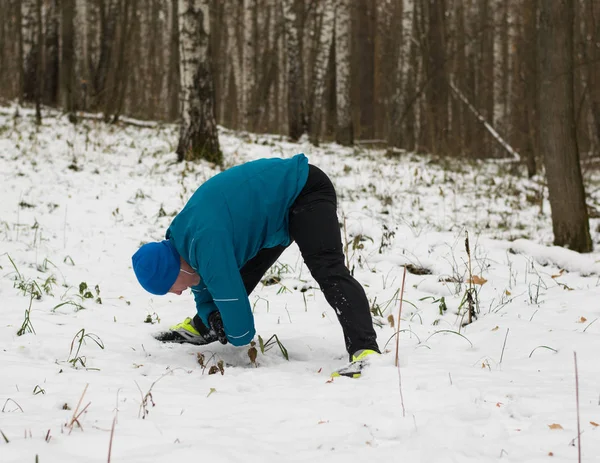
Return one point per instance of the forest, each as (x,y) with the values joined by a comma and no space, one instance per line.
(473,79)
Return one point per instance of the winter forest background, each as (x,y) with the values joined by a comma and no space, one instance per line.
(456,78)
(462,137)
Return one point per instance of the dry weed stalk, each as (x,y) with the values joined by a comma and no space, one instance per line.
(75,417)
(397,341)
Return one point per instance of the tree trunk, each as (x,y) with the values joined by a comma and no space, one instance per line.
(592,58)
(108,22)
(174,79)
(198,137)
(344,133)
(320,68)
(39,44)
(29,27)
(405,88)
(51,68)
(363,67)
(436,115)
(557,126)
(67,58)
(296,118)
(248,63)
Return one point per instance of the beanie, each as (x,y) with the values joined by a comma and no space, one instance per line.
(156,266)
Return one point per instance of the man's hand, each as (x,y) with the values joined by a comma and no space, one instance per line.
(216,325)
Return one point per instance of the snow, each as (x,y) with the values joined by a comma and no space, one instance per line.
(77,201)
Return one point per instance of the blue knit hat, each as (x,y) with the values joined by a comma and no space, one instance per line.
(156,266)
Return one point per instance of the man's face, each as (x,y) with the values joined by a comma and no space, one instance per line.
(185,279)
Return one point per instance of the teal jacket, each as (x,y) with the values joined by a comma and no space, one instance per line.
(229,218)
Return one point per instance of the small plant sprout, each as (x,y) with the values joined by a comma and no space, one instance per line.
(252,353)
(218,366)
(265,346)
(86,293)
(27,327)
(470,297)
(76,344)
(147,398)
(152,318)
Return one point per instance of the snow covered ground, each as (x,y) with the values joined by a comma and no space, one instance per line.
(77,201)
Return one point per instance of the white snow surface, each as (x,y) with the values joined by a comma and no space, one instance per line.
(78,200)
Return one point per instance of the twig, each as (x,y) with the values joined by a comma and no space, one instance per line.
(112,433)
(74,417)
(577,401)
(12,402)
(399,315)
(504,345)
(148,395)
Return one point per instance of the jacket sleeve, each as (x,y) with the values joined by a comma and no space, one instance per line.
(218,268)
(204,301)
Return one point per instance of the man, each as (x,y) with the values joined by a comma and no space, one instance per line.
(232,230)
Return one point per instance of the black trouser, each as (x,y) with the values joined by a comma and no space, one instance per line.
(314,226)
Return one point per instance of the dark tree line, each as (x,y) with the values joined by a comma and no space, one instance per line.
(460,78)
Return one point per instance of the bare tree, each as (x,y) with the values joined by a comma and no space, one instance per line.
(592,58)
(173,45)
(67,90)
(296,117)
(557,126)
(326,14)
(198,137)
(29,28)
(435,118)
(404,88)
(344,134)
(249,57)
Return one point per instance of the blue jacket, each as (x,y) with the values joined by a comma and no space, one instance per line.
(229,218)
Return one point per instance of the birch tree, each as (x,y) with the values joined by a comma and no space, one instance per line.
(404,89)
(198,138)
(344,128)
(558,140)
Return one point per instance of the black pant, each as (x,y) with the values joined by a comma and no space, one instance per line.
(314,226)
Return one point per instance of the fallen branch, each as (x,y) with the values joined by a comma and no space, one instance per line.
(509,149)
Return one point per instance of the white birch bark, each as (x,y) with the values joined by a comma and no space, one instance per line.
(28,26)
(404,86)
(501,56)
(198,135)
(344,130)
(327,13)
